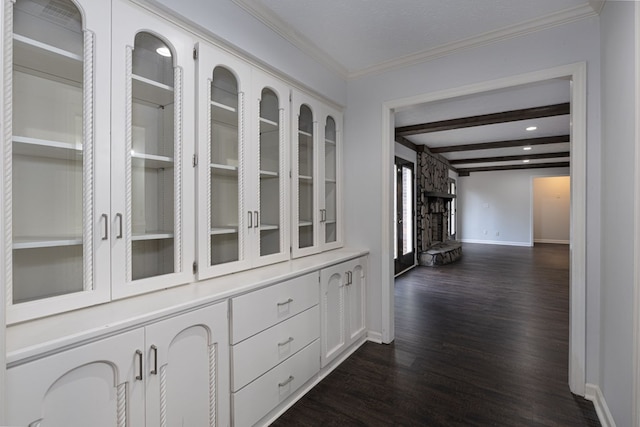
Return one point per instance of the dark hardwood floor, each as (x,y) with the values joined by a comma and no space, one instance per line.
(482,342)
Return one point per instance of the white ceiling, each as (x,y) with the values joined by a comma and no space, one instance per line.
(355,37)
(359,37)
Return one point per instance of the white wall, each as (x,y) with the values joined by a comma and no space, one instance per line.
(574,42)
(496,207)
(618,139)
(230,23)
(552,209)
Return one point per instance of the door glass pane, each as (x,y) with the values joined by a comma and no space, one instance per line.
(270,215)
(224,168)
(395,212)
(330,197)
(152,158)
(47,152)
(407,210)
(305,177)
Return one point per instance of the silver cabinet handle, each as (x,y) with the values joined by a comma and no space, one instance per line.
(323,215)
(349,278)
(250,219)
(289,301)
(257,219)
(154,371)
(119,216)
(287,381)
(139,357)
(105,217)
(283,343)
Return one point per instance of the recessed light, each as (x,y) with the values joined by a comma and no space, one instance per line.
(525,161)
(164,51)
(530,128)
(527,148)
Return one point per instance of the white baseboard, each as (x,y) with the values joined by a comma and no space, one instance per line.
(496,242)
(557,242)
(594,394)
(375,337)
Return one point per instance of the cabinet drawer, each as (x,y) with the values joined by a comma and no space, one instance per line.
(261,396)
(259,310)
(274,345)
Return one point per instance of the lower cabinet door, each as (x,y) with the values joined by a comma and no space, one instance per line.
(258,398)
(333,318)
(187,369)
(91,385)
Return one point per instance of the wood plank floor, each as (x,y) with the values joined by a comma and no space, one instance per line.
(482,342)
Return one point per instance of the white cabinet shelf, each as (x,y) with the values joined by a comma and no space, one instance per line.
(151,235)
(35,56)
(150,91)
(224,230)
(45,242)
(45,148)
(227,170)
(151,161)
(268,174)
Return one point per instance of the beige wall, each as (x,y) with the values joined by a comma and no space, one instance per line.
(551,209)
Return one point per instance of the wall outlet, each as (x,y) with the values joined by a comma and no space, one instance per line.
(497,233)
(484,232)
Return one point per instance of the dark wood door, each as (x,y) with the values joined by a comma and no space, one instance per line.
(404,242)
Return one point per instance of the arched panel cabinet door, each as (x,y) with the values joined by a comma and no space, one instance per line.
(152,136)
(95,384)
(188,369)
(55,155)
(342,307)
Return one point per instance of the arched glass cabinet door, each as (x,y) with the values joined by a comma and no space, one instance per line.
(151,165)
(328,216)
(306,163)
(225,163)
(271,158)
(49,163)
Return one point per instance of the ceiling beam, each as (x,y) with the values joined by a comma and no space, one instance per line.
(503,144)
(486,119)
(467,171)
(511,158)
(404,141)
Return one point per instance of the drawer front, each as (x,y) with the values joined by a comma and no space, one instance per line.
(259,310)
(261,396)
(273,346)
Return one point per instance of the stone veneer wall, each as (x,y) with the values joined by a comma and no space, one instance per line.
(433,176)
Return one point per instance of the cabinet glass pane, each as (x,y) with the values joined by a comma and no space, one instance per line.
(305,177)
(330,180)
(269,173)
(224,168)
(152,162)
(48,168)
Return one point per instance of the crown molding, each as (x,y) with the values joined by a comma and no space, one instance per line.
(286,31)
(534,25)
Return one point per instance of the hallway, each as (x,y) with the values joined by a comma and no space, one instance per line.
(480,342)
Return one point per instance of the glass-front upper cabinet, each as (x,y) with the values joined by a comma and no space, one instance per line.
(331,195)
(56,258)
(305,176)
(152,188)
(222,85)
(317,172)
(241,165)
(271,169)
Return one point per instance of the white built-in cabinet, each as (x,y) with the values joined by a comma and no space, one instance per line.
(342,303)
(242,165)
(173,372)
(316,175)
(151,225)
(56,156)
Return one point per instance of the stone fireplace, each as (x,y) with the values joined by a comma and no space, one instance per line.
(435,246)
